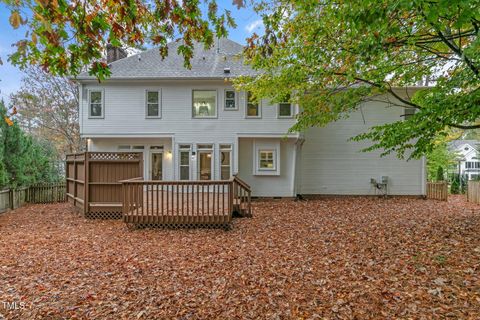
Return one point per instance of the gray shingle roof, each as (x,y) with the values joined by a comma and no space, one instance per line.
(206,64)
(455,144)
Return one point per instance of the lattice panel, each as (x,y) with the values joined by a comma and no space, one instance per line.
(104,215)
(114,156)
(132,226)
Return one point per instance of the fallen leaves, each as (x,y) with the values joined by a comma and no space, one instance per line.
(344,258)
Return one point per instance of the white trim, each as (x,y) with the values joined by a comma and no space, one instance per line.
(220,159)
(225,100)
(212,160)
(159,91)
(291,111)
(102,103)
(259,103)
(274,159)
(129,135)
(216,104)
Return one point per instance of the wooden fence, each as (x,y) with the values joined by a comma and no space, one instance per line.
(93,181)
(473,192)
(437,190)
(41,193)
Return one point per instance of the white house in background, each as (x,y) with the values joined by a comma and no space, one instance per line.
(193,125)
(468,157)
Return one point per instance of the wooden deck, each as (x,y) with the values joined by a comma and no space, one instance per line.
(184,203)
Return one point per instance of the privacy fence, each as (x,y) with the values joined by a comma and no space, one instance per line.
(473,191)
(437,190)
(40,193)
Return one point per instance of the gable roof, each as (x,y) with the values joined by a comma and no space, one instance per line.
(456,144)
(206,64)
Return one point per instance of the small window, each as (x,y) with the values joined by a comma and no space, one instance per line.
(184,161)
(204,103)
(225,161)
(156,147)
(123,147)
(153,104)
(138,147)
(285,110)
(230,100)
(253,108)
(266,160)
(96,104)
(409,112)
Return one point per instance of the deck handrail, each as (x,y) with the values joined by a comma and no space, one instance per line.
(237,179)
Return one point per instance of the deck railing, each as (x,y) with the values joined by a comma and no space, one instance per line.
(184,203)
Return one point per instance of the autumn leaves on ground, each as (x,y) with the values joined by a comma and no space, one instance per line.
(345,258)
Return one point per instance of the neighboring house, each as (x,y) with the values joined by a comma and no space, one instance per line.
(468,160)
(193,125)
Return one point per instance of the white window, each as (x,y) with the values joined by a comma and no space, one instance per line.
(267,160)
(124,147)
(230,100)
(95,108)
(253,108)
(225,161)
(184,161)
(285,110)
(138,147)
(409,112)
(204,103)
(153,104)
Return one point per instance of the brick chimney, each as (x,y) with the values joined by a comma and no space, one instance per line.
(115,53)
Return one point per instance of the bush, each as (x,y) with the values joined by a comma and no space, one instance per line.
(455,187)
(440,175)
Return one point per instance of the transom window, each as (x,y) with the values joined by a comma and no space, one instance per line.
(153,104)
(253,108)
(96,104)
(204,103)
(230,100)
(266,160)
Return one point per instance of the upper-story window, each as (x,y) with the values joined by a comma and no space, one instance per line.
(285,109)
(153,106)
(230,100)
(204,103)
(253,108)
(95,104)
(409,112)
(472,165)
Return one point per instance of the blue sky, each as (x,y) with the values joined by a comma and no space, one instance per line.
(10,76)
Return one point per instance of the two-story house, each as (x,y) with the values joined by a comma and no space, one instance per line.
(191,124)
(468,160)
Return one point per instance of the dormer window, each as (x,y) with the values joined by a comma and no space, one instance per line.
(204,103)
(95,109)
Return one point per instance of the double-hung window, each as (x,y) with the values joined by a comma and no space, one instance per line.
(253,107)
(267,160)
(95,108)
(153,104)
(230,100)
(204,103)
(285,109)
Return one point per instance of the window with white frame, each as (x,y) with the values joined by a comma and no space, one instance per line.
(225,161)
(253,107)
(153,105)
(204,103)
(267,160)
(472,165)
(230,100)
(184,161)
(95,109)
(205,161)
(285,110)
(123,147)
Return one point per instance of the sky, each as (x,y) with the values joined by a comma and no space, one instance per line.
(10,76)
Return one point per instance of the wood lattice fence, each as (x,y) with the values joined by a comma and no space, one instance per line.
(437,190)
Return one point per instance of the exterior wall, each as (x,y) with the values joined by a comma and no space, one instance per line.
(468,154)
(281,185)
(124,112)
(330,164)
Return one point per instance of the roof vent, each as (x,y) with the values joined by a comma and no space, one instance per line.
(226,70)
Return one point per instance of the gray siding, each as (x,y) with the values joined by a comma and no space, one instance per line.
(330,164)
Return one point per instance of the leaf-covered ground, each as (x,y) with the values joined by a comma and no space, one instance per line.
(345,258)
